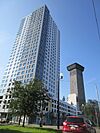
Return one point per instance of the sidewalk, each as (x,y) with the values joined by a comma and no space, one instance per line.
(52,127)
(44,126)
(97,130)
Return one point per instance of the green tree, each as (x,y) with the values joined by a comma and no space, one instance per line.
(91,110)
(38,98)
(16,101)
(29,99)
(63,116)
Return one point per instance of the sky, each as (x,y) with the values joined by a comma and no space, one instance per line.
(79,40)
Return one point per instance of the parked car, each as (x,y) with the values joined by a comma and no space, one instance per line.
(77,124)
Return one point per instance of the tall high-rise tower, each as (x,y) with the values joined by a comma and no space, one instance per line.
(76,84)
(35,53)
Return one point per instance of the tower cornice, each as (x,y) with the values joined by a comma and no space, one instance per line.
(75,66)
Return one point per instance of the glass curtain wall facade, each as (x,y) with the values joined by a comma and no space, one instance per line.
(35,53)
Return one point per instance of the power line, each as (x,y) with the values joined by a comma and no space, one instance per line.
(96,19)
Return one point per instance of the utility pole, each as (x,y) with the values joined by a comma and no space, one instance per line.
(96,19)
(98,97)
(96,115)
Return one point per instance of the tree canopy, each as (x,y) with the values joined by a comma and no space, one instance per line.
(29,99)
(91,110)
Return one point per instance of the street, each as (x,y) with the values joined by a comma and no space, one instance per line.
(54,127)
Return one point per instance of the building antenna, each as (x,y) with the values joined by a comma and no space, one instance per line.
(95,15)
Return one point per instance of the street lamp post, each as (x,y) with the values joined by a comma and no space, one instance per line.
(58,112)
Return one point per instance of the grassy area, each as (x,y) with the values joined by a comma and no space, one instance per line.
(17,129)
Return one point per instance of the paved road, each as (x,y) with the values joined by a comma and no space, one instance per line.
(55,127)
